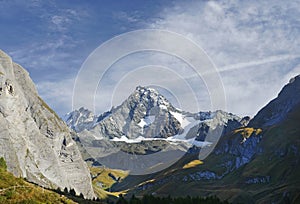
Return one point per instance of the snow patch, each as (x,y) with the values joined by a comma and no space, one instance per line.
(184,121)
(178,116)
(125,139)
(164,107)
(188,142)
(146,121)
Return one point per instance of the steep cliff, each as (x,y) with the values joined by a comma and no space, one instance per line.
(34,141)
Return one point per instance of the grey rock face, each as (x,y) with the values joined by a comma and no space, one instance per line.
(237,152)
(259,179)
(145,113)
(34,141)
(219,123)
(201,175)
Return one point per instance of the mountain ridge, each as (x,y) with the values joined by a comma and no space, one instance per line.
(147,125)
(278,108)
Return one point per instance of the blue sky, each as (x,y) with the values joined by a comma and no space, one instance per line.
(255,45)
(51,38)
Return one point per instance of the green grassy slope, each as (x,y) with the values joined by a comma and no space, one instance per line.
(17,190)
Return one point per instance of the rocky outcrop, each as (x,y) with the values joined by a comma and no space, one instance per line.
(276,111)
(34,141)
(201,175)
(215,124)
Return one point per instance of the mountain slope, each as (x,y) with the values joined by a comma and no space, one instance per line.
(34,141)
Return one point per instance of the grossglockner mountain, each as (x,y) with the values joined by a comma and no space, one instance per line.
(146,124)
(35,143)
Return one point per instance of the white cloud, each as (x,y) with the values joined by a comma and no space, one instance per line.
(62,19)
(54,48)
(60,22)
(45,58)
(123,16)
(235,31)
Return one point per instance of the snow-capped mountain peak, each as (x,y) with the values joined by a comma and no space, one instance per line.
(80,119)
(145,114)
(145,123)
(149,98)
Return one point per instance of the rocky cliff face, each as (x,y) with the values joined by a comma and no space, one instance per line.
(33,140)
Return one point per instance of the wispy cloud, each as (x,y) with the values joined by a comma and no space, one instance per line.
(58,94)
(46,60)
(51,52)
(255,45)
(271,59)
(62,19)
(130,17)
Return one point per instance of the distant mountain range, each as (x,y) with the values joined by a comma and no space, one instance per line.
(144,124)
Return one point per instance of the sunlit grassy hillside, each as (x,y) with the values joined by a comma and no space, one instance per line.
(17,190)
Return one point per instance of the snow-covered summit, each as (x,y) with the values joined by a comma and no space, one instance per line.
(151,96)
(145,113)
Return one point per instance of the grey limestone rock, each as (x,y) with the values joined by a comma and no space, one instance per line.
(34,141)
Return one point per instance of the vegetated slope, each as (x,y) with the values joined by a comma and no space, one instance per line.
(17,190)
(34,141)
(257,164)
(103,178)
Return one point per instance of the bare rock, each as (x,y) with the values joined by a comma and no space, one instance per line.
(34,141)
